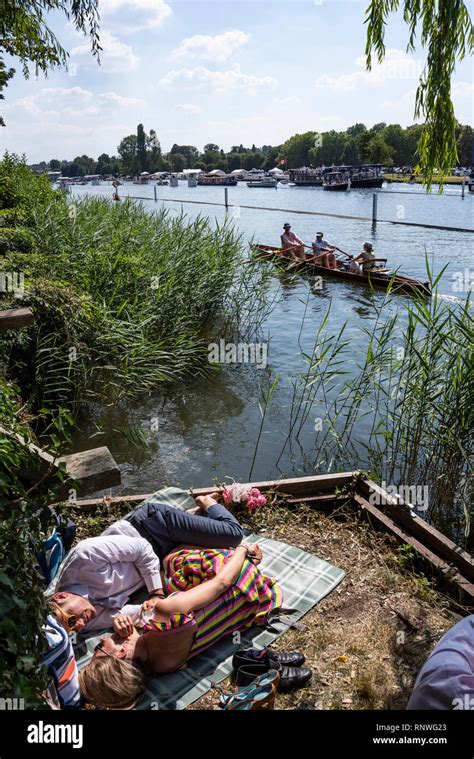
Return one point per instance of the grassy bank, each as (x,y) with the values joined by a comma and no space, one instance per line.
(125,301)
(405,178)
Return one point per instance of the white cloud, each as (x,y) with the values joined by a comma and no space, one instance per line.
(291,100)
(463,90)
(69,121)
(219,82)
(188,108)
(397,65)
(70,102)
(218,48)
(116,56)
(146,14)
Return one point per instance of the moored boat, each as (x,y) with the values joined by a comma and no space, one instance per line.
(306,177)
(224,180)
(336,181)
(382,280)
(267,182)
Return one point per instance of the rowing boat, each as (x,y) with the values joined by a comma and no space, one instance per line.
(393,282)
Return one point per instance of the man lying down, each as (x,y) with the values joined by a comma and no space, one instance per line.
(213,591)
(100,574)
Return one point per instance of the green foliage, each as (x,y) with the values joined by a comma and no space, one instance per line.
(24,33)
(125,300)
(446,31)
(25,521)
(15,239)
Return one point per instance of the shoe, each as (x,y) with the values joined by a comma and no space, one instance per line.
(259,695)
(290,677)
(267,655)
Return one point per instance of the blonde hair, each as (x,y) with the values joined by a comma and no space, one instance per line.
(112,683)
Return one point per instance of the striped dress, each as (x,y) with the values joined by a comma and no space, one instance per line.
(247,603)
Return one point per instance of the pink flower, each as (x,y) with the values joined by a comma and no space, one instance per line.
(255,499)
(227,496)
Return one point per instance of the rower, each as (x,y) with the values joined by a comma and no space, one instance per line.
(291,242)
(365,261)
(324,252)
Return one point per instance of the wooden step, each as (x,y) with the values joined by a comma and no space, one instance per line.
(16,318)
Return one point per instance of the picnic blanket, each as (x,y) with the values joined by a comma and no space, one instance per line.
(304,579)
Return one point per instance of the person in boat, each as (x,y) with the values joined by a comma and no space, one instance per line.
(235,596)
(323,252)
(365,261)
(291,242)
(100,574)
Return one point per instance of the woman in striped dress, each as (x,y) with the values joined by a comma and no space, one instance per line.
(213,592)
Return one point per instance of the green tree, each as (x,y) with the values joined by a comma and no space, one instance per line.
(465,144)
(127,151)
(141,148)
(375,149)
(296,150)
(54,164)
(24,33)
(446,31)
(252,160)
(356,129)
(328,149)
(211,147)
(154,148)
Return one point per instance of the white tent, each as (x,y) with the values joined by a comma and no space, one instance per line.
(217,173)
(238,171)
(144,174)
(191,172)
(276,170)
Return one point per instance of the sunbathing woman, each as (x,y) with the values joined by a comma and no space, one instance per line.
(182,625)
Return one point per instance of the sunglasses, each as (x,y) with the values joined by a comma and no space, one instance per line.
(69,620)
(100,647)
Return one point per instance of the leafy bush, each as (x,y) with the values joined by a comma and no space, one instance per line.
(24,523)
(15,239)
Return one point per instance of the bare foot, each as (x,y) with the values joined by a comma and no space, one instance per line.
(204,501)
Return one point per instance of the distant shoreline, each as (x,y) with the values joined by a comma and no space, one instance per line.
(418,180)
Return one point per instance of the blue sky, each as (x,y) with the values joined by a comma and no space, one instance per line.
(229,71)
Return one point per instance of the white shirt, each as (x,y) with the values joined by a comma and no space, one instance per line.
(108,569)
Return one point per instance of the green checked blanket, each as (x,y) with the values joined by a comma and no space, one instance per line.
(304,580)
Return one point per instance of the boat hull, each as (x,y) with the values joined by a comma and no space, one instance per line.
(396,283)
(339,187)
(361,183)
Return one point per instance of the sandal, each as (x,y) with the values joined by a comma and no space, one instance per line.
(259,695)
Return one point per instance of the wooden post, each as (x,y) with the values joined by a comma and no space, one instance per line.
(226,197)
(374,209)
(463,189)
(154,192)
(15,318)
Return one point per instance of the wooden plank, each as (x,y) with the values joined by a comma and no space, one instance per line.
(416,525)
(15,318)
(457,582)
(93,469)
(297,486)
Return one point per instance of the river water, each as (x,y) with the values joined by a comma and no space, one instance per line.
(207,430)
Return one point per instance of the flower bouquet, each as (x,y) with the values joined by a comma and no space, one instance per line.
(243,495)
